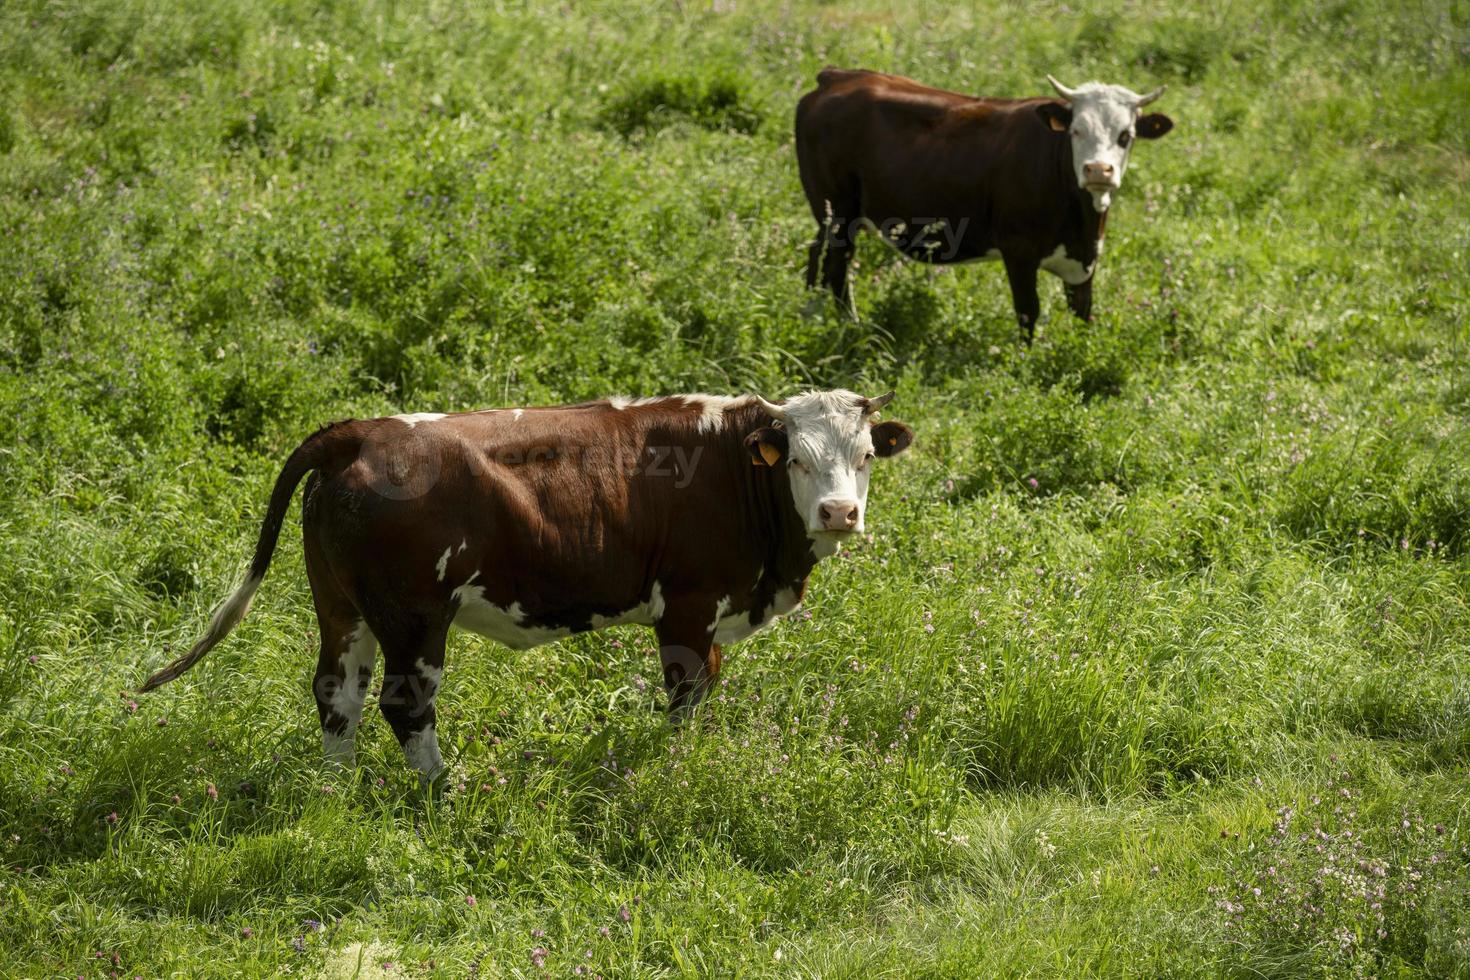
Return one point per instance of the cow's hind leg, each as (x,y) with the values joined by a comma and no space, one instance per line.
(827,259)
(836,260)
(344,669)
(413,664)
(831,252)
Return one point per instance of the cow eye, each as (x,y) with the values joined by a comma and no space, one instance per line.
(1124,138)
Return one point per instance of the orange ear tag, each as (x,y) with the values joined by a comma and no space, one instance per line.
(893,441)
(770,454)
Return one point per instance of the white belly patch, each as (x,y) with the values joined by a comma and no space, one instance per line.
(1070,270)
(503,625)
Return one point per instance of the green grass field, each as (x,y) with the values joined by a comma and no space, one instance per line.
(1156,664)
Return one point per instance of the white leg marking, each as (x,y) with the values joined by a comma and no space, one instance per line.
(346,702)
(339,750)
(443,565)
(422,751)
(432,676)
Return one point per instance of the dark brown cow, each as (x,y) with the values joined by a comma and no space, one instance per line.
(952,178)
(698,515)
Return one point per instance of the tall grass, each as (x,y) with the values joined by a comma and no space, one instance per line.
(1136,589)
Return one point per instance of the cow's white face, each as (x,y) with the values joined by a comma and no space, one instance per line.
(827,441)
(1102,121)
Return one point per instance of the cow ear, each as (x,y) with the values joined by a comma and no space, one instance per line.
(891,438)
(1056,116)
(1153,125)
(766,446)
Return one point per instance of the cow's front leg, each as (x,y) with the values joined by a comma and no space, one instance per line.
(1079,299)
(1022,276)
(691,658)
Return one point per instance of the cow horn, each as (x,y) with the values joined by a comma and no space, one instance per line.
(1144,100)
(872,405)
(1062,90)
(772,409)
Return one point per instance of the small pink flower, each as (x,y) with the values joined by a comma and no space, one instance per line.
(471,901)
(246,932)
(1033,483)
(210,791)
(604,931)
(33,659)
(537,933)
(161,722)
(112,817)
(538,957)
(175,799)
(132,706)
(624,914)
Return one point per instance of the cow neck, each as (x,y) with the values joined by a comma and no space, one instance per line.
(770,517)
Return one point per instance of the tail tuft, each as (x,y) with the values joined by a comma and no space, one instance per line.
(334,444)
(225,618)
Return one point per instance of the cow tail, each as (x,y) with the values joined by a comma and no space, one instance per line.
(324,447)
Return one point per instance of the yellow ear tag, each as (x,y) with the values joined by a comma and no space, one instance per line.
(893,441)
(770,454)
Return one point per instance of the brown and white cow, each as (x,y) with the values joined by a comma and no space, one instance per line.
(698,515)
(945,177)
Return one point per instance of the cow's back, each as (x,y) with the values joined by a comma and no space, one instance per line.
(859,125)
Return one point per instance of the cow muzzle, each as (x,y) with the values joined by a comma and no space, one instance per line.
(839,514)
(1100,176)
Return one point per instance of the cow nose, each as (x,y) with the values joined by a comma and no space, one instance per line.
(1097,173)
(838,515)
